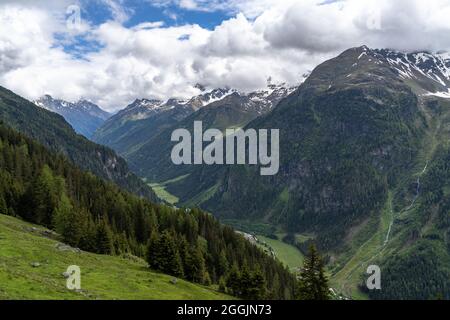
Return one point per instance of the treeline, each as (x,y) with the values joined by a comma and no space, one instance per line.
(97,216)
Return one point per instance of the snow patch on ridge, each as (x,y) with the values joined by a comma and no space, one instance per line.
(443,94)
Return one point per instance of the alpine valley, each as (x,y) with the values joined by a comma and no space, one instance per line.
(364,176)
(364,166)
(65,200)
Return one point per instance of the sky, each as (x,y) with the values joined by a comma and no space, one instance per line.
(112,52)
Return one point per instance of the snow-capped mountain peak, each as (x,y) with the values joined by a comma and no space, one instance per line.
(429,71)
(61,106)
(208,97)
(266,99)
(84,116)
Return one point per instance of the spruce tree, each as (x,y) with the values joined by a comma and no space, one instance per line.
(172,262)
(43,194)
(277,289)
(207,281)
(233,281)
(72,230)
(163,255)
(195,266)
(88,240)
(222,285)
(104,238)
(313,283)
(252,284)
(122,246)
(3,206)
(258,289)
(62,214)
(154,257)
(223,264)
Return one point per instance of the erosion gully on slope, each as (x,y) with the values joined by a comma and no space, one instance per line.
(346,274)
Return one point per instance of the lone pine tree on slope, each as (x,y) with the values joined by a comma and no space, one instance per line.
(313,283)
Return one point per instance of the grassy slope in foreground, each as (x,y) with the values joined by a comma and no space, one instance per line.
(102,277)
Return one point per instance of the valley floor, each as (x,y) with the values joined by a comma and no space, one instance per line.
(286,253)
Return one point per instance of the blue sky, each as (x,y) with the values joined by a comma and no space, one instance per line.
(143,11)
(97,12)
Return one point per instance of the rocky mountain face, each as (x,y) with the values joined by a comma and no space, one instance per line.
(263,101)
(52,131)
(430,71)
(84,116)
(208,97)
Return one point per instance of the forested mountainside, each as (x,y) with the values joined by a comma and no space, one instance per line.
(97,216)
(55,133)
(357,138)
(84,116)
(421,268)
(360,136)
(346,136)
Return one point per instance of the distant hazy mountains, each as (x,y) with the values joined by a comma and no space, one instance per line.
(84,116)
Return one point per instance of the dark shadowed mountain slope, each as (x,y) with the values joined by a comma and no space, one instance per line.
(51,130)
(152,159)
(140,121)
(135,126)
(346,136)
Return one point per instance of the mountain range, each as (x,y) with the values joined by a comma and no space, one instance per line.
(84,116)
(144,119)
(364,154)
(363,150)
(144,142)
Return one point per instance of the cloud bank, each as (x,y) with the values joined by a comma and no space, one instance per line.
(260,39)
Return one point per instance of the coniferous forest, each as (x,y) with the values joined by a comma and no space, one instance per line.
(96,216)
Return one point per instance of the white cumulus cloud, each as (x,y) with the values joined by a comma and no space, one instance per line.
(260,39)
